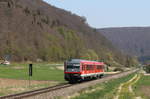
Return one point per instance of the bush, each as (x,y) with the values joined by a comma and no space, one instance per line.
(118,69)
(147,69)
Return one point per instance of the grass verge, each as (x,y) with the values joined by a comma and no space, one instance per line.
(41,71)
(106,90)
(142,87)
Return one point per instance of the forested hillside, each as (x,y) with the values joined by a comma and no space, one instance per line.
(132,40)
(34,30)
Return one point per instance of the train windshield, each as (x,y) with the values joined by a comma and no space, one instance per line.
(73,67)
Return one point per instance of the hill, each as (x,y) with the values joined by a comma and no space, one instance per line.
(34,30)
(132,40)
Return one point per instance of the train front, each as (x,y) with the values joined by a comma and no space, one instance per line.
(72,71)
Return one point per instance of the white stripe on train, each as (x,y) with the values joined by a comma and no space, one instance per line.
(91,74)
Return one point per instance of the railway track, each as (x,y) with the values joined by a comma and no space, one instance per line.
(61,87)
(35,92)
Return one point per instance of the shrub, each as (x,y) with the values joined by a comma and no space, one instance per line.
(118,69)
(147,69)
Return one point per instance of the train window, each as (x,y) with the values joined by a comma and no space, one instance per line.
(92,67)
(82,67)
(99,67)
(88,67)
(72,66)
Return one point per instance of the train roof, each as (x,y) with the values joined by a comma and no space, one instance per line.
(83,61)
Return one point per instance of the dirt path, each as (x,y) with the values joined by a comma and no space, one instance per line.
(60,67)
(125,89)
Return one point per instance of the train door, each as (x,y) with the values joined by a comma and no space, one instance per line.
(95,70)
(92,68)
(83,71)
(85,68)
(102,68)
(98,68)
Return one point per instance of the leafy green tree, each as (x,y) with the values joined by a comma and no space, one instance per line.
(90,55)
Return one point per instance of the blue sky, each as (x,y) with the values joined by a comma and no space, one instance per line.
(109,13)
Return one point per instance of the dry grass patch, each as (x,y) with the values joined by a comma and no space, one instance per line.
(60,67)
(84,91)
(18,67)
(10,86)
(145,90)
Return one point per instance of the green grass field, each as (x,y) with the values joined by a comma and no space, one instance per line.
(44,75)
(105,90)
(142,87)
(41,71)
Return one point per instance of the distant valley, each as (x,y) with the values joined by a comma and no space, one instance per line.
(131,40)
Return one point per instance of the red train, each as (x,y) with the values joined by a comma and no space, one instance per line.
(78,70)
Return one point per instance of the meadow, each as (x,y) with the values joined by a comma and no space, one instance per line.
(14,78)
(41,71)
